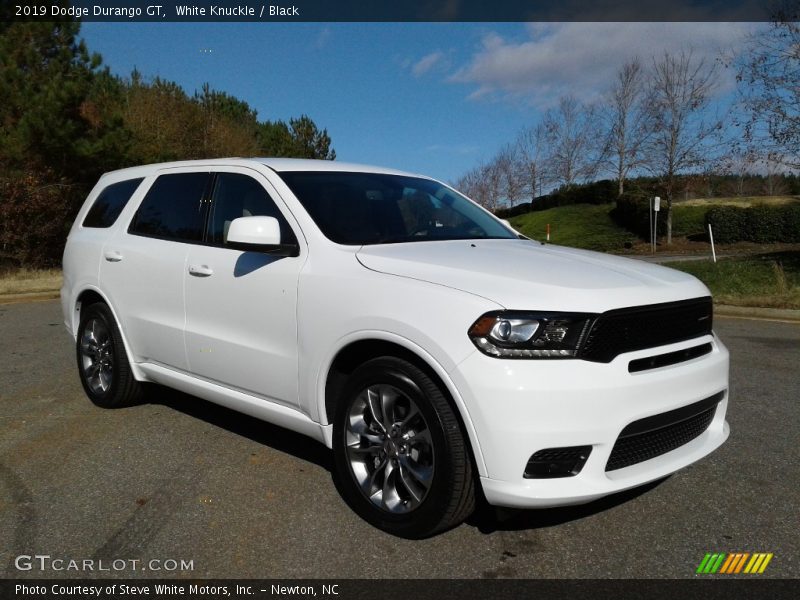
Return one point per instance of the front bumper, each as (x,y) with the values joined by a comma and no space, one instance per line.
(519,407)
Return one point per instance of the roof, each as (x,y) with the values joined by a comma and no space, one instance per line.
(305,164)
(276,164)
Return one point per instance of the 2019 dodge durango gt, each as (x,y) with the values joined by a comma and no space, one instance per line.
(428,344)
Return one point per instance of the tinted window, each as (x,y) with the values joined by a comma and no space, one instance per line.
(242,196)
(173,208)
(110,203)
(374,208)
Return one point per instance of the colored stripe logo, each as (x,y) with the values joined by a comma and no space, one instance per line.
(734,562)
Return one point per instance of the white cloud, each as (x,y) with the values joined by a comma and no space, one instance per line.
(426,63)
(582,58)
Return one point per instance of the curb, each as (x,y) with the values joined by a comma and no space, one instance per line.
(29,297)
(754,312)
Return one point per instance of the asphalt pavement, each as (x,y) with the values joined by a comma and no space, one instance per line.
(182,479)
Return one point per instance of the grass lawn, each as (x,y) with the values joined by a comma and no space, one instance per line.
(771,280)
(22,281)
(579,225)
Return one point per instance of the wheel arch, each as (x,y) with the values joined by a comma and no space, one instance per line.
(356,350)
(90,295)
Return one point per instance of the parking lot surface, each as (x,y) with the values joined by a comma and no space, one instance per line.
(181,479)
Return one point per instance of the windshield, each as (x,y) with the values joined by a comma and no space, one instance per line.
(374,208)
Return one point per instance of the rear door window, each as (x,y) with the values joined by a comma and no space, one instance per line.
(173,208)
(110,202)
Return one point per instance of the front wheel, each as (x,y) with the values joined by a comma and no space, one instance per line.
(103,364)
(402,462)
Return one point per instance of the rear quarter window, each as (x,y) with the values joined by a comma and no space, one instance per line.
(109,204)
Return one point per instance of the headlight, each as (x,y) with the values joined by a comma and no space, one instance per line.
(516,334)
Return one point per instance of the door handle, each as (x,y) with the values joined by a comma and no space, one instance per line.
(113,256)
(200,270)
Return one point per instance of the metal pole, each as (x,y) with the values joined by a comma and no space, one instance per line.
(654,226)
(655,230)
(711,237)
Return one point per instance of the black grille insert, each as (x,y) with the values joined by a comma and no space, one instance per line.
(670,358)
(653,436)
(640,327)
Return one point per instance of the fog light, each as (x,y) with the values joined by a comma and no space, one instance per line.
(557,462)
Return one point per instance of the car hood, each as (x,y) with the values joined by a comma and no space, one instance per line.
(529,275)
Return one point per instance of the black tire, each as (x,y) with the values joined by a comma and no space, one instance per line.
(103,365)
(433,487)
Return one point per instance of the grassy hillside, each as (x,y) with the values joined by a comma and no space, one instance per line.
(589,226)
(580,225)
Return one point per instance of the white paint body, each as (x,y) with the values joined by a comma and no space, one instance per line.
(261,338)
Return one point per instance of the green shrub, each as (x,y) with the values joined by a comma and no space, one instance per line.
(633,213)
(765,224)
(791,223)
(761,224)
(728,223)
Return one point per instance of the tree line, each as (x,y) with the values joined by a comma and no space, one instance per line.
(65,119)
(658,120)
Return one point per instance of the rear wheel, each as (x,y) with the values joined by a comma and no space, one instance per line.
(402,462)
(102,361)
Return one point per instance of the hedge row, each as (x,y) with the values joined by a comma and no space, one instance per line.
(760,224)
(598,192)
(519,209)
(633,213)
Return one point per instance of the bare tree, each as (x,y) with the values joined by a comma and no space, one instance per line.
(482,184)
(740,163)
(472,185)
(531,152)
(769,74)
(511,185)
(572,134)
(681,91)
(774,181)
(628,122)
(493,181)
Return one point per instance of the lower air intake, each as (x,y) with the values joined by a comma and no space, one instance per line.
(654,436)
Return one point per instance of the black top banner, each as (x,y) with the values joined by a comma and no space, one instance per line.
(398,11)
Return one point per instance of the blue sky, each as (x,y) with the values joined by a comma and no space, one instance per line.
(432,98)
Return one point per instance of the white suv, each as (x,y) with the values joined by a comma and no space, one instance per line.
(428,344)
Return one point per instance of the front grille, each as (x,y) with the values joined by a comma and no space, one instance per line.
(647,438)
(640,327)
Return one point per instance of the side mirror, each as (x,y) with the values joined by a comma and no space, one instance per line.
(258,234)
